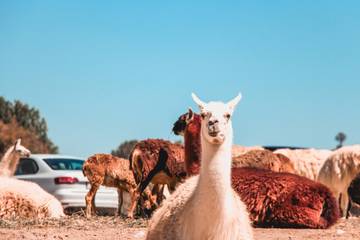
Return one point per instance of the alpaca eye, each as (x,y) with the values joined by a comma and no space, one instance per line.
(205,114)
(227,116)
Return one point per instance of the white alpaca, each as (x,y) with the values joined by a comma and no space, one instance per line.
(21,198)
(307,162)
(338,172)
(11,158)
(24,199)
(206,206)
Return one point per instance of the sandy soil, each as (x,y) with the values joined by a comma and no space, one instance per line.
(77,227)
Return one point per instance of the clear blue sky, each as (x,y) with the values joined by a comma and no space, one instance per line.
(106,71)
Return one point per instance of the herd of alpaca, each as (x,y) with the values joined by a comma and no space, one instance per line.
(217,190)
(17,198)
(272,199)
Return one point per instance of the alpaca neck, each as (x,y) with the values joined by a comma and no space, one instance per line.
(6,161)
(192,149)
(215,173)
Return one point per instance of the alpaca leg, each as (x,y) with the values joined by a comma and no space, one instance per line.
(160,193)
(344,203)
(90,200)
(337,196)
(135,195)
(120,201)
(152,196)
(93,207)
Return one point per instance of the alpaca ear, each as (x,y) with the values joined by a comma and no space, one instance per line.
(232,103)
(190,115)
(200,103)
(18,142)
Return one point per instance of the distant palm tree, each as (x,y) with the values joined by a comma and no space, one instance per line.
(340,137)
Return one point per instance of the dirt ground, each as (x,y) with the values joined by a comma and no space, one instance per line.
(78,227)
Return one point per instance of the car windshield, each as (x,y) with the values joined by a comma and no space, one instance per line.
(64,164)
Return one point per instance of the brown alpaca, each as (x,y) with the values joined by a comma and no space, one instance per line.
(110,171)
(264,192)
(149,166)
(264,159)
(284,199)
(189,125)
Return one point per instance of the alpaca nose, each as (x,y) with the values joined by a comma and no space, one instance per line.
(213,127)
(212,122)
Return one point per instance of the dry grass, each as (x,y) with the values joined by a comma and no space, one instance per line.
(74,221)
(78,227)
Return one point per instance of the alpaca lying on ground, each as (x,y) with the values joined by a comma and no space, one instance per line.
(22,199)
(205,206)
(264,159)
(338,172)
(307,162)
(239,150)
(11,158)
(260,190)
(110,171)
(284,199)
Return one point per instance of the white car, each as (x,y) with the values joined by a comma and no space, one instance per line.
(62,177)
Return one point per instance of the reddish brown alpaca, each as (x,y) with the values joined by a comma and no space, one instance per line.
(280,199)
(158,162)
(290,201)
(192,140)
(110,171)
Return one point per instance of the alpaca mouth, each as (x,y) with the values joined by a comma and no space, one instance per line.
(179,133)
(214,133)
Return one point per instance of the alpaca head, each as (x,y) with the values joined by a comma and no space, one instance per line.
(21,150)
(180,125)
(185,121)
(216,124)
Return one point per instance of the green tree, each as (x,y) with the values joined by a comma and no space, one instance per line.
(6,110)
(124,149)
(20,120)
(340,137)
